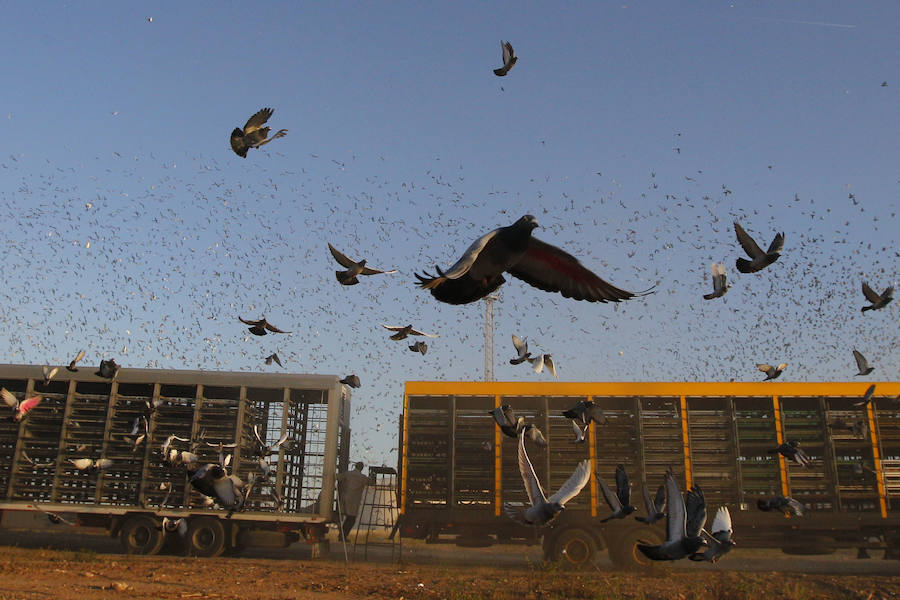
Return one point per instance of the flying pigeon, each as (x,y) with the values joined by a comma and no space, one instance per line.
(718,542)
(419,346)
(351,380)
(349,277)
(20,409)
(580,431)
(535,435)
(792,452)
(543,509)
(260,326)
(509,59)
(48,373)
(139,431)
(403,332)
(620,501)
(213,481)
(540,361)
(770,371)
(74,362)
(513,249)
(254,134)
(655,507)
(862,364)
(507,420)
(108,369)
(87,465)
(263,449)
(585,412)
(867,397)
(877,301)
(684,521)
(521,346)
(719,282)
(786,505)
(759,259)
(274,357)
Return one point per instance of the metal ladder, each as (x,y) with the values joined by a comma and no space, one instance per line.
(378,514)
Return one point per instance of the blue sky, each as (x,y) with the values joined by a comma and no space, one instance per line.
(635,132)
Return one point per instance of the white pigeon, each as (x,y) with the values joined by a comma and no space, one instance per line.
(543,509)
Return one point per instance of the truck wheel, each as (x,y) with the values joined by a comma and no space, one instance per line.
(141,534)
(205,537)
(623,548)
(574,547)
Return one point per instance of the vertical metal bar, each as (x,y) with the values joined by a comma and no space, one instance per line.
(195,429)
(110,413)
(285,410)
(546,426)
(451,491)
(876,457)
(779,437)
(829,457)
(735,435)
(498,465)
(639,417)
(239,427)
(686,444)
(404,453)
(63,434)
(592,455)
(329,467)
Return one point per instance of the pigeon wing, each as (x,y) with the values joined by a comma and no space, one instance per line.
(870,294)
(520,345)
(796,506)
(777,244)
(371,271)
(675,516)
(532,485)
(722,521)
(623,487)
(29,404)
(417,332)
(551,269)
(550,365)
(765,368)
(861,363)
(462,266)
(747,243)
(343,260)
(574,484)
(507,50)
(660,500)
(9,398)
(274,329)
(257,120)
(253,323)
(609,496)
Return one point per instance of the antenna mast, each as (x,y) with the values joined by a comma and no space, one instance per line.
(489,337)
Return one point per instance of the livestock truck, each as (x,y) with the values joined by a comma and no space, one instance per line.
(457,469)
(77,457)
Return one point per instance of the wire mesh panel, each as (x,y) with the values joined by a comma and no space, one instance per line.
(125,444)
(38,441)
(428,451)
(663,441)
(713,449)
(759,471)
(304,458)
(83,438)
(803,420)
(473,452)
(853,460)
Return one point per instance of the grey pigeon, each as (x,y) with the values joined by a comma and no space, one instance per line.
(862,364)
(535,435)
(543,360)
(684,521)
(585,412)
(792,452)
(213,481)
(402,332)
(509,59)
(543,509)
(108,369)
(867,397)
(260,326)
(580,431)
(351,380)
(349,277)
(878,301)
(770,371)
(521,346)
(787,505)
(720,286)
(254,135)
(274,357)
(74,362)
(759,259)
(656,507)
(506,419)
(718,539)
(620,501)
(263,448)
(420,347)
(512,249)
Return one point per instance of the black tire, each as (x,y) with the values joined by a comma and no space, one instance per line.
(623,550)
(205,537)
(141,534)
(574,547)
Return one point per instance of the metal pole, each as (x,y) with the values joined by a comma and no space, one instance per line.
(489,337)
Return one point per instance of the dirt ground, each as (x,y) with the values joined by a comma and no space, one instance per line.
(86,568)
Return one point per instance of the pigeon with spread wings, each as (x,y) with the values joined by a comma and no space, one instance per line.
(509,59)
(404,331)
(758,259)
(260,327)
(254,134)
(353,268)
(862,364)
(512,249)
(543,509)
(74,362)
(878,300)
(770,371)
(720,285)
(20,409)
